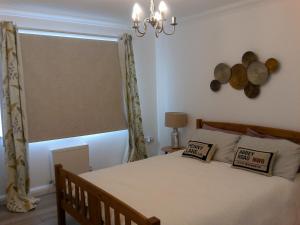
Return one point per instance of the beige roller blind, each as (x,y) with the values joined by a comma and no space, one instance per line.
(73,87)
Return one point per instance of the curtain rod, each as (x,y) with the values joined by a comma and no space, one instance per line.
(46,32)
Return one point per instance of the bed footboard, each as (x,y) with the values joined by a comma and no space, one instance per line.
(90,205)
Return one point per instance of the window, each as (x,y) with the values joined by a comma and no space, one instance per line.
(73,86)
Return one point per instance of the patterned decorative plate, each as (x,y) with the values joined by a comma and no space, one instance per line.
(215,85)
(252,91)
(248,58)
(222,73)
(272,65)
(258,73)
(238,78)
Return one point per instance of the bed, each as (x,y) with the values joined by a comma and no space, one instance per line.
(180,191)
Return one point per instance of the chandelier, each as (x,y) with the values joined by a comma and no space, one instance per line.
(157,20)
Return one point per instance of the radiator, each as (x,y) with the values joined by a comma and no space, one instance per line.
(75,159)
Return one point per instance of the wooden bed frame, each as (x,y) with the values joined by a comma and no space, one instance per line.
(88,204)
(293,136)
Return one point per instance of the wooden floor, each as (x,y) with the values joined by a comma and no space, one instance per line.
(44,214)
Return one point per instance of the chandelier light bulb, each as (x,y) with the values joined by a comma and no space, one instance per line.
(134,17)
(163,8)
(158,16)
(136,12)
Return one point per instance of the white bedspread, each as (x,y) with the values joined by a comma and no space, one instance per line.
(184,191)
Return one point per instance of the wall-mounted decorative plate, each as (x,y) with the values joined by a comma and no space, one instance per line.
(222,73)
(215,85)
(248,76)
(252,91)
(248,58)
(272,65)
(238,78)
(258,73)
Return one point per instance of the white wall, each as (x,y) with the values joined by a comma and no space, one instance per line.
(105,149)
(185,65)
(145,54)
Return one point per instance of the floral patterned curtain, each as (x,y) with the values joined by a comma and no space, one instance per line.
(17,192)
(136,149)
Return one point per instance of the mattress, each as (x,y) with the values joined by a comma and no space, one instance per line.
(185,191)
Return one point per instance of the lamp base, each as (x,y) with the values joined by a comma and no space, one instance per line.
(175,139)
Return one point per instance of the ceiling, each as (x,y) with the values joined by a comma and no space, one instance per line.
(116,11)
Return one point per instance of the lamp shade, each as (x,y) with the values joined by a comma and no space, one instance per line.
(175,119)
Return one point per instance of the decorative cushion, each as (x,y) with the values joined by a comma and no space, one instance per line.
(224,142)
(200,150)
(254,161)
(287,154)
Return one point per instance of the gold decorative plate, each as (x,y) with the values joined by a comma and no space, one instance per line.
(238,78)
(258,73)
(248,58)
(272,65)
(222,73)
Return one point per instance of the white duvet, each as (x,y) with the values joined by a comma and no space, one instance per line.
(184,191)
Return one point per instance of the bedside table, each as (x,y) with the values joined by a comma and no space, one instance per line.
(169,149)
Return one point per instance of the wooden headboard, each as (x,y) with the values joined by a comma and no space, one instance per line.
(242,128)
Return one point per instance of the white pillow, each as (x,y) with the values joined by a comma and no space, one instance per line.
(225,143)
(287,159)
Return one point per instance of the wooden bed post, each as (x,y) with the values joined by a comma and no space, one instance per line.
(199,123)
(61,214)
(154,221)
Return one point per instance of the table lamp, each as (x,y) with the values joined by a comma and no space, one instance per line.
(175,120)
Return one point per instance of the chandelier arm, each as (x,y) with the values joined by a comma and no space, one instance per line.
(156,34)
(173,32)
(152,8)
(158,31)
(140,33)
(159,27)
